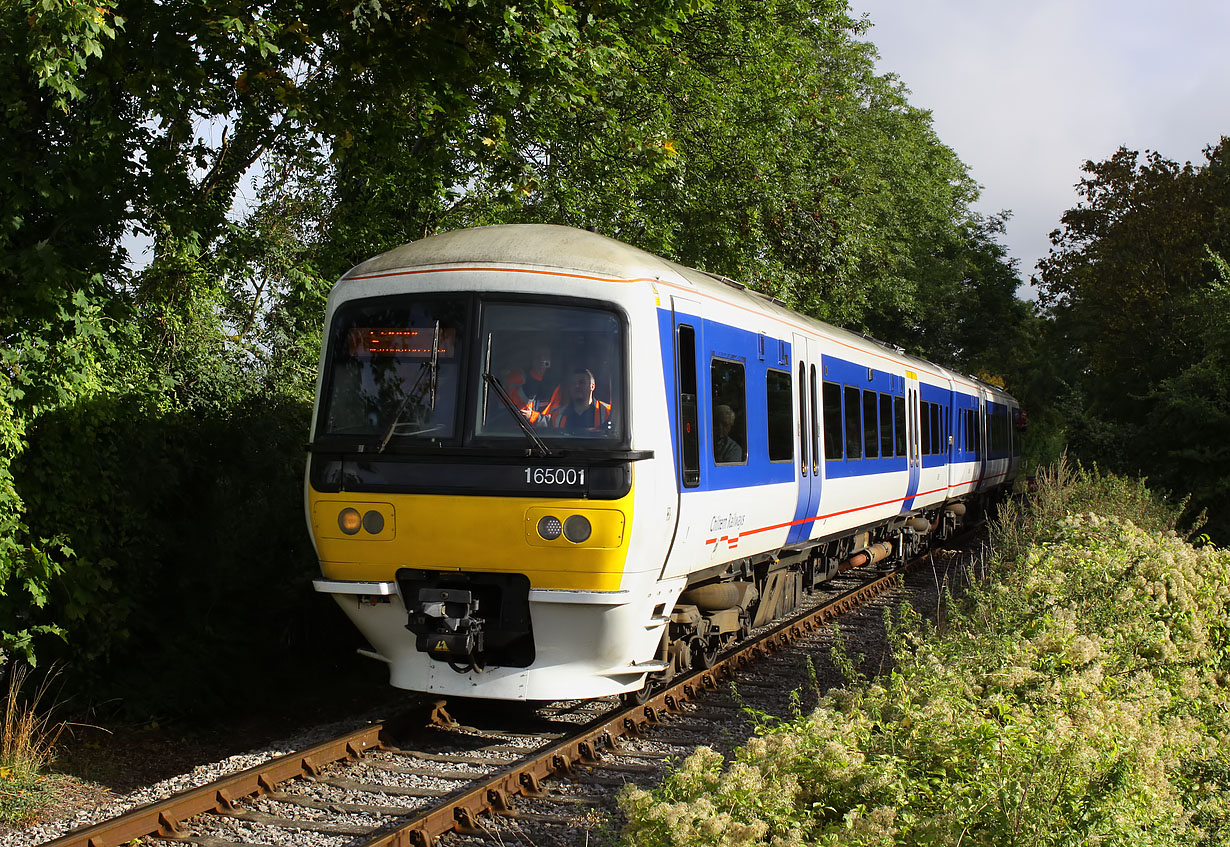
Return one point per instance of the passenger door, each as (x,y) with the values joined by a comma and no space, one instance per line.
(808,458)
(688,344)
(912,431)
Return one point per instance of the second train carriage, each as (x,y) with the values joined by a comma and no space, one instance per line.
(490,541)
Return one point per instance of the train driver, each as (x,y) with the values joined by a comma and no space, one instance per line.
(582,413)
(529,389)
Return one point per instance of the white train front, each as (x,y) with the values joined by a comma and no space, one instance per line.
(545,464)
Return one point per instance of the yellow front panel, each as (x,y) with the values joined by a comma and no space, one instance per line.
(494,534)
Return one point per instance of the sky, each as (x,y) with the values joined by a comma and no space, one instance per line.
(1027,91)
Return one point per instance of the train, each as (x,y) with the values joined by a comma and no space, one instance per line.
(545,464)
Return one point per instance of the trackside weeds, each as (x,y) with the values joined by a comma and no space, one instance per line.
(1077,695)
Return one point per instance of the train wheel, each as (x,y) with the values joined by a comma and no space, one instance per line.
(705,652)
(639,697)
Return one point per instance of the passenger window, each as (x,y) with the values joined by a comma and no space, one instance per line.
(886,425)
(832,421)
(729,413)
(777,406)
(899,424)
(871,427)
(935,430)
(854,428)
(925,431)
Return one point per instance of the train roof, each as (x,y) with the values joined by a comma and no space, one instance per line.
(553,246)
(540,245)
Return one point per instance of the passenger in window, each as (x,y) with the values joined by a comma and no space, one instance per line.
(725,449)
(530,390)
(582,413)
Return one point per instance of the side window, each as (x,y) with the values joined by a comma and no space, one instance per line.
(871,427)
(886,425)
(854,425)
(925,430)
(777,405)
(832,421)
(936,434)
(689,420)
(729,412)
(815,425)
(899,424)
(803,439)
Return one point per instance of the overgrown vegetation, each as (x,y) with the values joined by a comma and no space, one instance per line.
(1079,695)
(27,740)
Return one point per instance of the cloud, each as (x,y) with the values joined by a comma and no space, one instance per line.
(1027,93)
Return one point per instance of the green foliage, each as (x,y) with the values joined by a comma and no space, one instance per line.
(1080,695)
(1138,342)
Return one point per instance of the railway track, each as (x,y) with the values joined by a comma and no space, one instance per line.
(407,785)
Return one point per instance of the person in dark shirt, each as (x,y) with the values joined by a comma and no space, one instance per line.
(582,413)
(725,449)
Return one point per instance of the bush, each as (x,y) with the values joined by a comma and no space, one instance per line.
(1080,695)
(190,557)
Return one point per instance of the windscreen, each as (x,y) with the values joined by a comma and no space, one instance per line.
(394,368)
(560,369)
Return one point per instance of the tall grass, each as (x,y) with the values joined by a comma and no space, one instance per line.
(27,745)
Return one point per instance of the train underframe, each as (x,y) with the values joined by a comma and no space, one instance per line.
(722,605)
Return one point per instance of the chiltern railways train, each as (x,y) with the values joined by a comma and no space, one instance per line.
(545,464)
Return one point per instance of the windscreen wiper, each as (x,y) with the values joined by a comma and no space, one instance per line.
(432,369)
(435,367)
(410,395)
(539,444)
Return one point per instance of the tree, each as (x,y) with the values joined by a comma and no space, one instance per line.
(1131,290)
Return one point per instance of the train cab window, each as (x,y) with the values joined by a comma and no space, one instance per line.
(393,369)
(778,411)
(729,412)
(871,426)
(562,366)
(886,425)
(854,428)
(689,415)
(832,421)
(925,429)
(899,425)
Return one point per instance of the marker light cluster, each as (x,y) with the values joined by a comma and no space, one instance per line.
(350,521)
(576,528)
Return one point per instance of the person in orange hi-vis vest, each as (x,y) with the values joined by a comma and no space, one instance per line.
(582,413)
(529,390)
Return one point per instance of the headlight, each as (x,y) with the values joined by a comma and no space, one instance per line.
(373,522)
(349,521)
(577,529)
(549,527)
